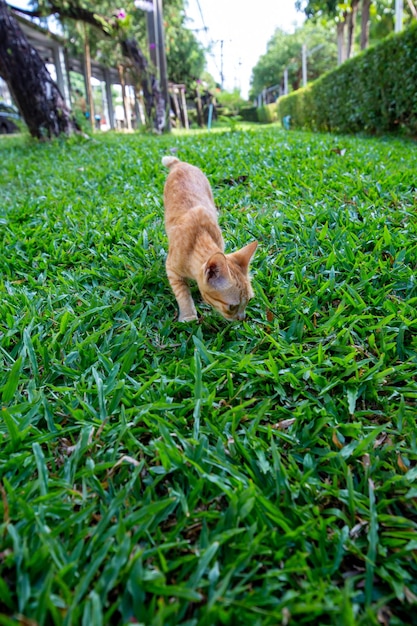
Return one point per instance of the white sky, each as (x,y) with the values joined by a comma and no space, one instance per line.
(245,27)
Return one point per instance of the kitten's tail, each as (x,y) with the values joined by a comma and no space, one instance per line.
(169,161)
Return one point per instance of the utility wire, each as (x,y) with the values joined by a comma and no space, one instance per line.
(210,42)
(202,16)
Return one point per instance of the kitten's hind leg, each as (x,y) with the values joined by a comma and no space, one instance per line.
(187,311)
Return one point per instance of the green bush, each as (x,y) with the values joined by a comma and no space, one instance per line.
(375,91)
(267,113)
(231,101)
(248,113)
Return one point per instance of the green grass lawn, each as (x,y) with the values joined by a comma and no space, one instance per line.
(256,473)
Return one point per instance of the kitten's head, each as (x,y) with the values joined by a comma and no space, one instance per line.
(226,282)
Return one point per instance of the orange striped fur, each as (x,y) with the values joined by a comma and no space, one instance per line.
(196,247)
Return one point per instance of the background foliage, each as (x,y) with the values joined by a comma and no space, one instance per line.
(185,55)
(341,29)
(284,51)
(382,15)
(375,91)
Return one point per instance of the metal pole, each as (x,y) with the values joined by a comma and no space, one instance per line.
(221,64)
(304,63)
(210,116)
(398,15)
(285,81)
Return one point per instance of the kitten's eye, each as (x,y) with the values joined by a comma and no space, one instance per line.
(233,308)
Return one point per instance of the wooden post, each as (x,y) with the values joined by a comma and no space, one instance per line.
(176,105)
(87,63)
(126,107)
(200,116)
(184,106)
(59,62)
(110,107)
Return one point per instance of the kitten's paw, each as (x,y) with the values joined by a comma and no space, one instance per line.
(187,318)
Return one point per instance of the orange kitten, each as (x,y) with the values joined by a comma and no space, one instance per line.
(196,247)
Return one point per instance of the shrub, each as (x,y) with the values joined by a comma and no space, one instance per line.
(376,91)
(231,102)
(267,113)
(249,114)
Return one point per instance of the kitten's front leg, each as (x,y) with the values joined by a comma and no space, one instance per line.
(187,311)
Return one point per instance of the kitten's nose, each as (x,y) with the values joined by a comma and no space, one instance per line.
(241,316)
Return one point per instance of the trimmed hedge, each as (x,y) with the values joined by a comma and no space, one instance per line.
(268,113)
(248,114)
(375,91)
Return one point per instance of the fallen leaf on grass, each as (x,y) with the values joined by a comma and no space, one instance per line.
(384,616)
(124,459)
(336,440)
(6,515)
(366,460)
(235,181)
(381,439)
(283,424)
(25,621)
(269,315)
(410,596)
(66,448)
(357,529)
(403,467)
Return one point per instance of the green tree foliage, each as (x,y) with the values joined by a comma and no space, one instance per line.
(185,55)
(104,34)
(343,14)
(315,8)
(232,101)
(369,20)
(284,51)
(383,18)
(105,23)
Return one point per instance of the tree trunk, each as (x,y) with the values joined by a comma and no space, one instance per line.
(412,9)
(37,96)
(366,6)
(341,48)
(351,23)
(125,100)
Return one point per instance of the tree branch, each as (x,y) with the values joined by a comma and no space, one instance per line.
(26,11)
(412,9)
(104,24)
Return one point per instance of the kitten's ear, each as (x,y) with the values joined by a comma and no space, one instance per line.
(243,256)
(216,271)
